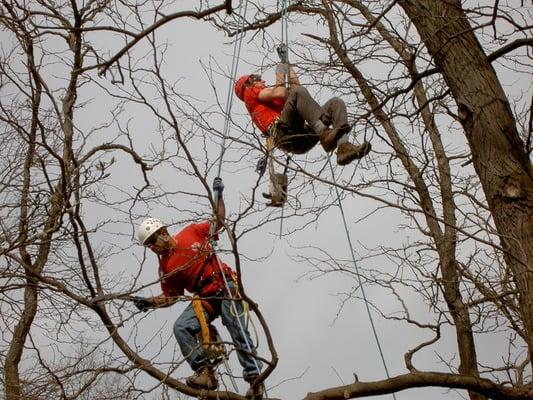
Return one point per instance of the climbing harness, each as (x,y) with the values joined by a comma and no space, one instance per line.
(214,348)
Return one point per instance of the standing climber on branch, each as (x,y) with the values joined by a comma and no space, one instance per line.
(281,114)
(187,262)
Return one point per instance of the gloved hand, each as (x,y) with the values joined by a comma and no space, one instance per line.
(282,68)
(261,165)
(143,304)
(283,53)
(218,185)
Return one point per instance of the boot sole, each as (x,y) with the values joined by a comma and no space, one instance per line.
(357,156)
(338,134)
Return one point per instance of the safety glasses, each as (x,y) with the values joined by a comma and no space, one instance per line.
(152,240)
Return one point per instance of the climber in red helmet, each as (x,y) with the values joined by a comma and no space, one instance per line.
(281,113)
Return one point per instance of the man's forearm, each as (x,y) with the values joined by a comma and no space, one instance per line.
(293,78)
(280,79)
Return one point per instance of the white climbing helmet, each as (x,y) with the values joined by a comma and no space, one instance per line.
(147,228)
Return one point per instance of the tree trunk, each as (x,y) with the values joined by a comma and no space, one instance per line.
(13,389)
(498,154)
(444,241)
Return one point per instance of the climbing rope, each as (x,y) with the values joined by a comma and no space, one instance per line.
(285,32)
(284,36)
(358,274)
(234,65)
(229,103)
(285,42)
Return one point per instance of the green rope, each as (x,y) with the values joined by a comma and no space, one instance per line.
(358,273)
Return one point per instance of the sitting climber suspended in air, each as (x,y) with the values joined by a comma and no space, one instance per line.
(187,261)
(281,114)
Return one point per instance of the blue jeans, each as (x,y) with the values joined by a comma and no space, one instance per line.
(187,327)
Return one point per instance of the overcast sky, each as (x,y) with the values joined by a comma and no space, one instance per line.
(319,345)
(321,341)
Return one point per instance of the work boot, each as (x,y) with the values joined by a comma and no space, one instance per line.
(347,152)
(328,138)
(278,190)
(275,201)
(254,393)
(204,378)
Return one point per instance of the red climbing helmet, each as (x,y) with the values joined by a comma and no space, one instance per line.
(239,86)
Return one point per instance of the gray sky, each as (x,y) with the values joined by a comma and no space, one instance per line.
(317,348)
(320,344)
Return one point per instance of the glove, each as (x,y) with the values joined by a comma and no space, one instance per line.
(218,186)
(282,68)
(283,53)
(142,303)
(261,165)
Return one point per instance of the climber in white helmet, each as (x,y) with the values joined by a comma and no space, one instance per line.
(187,262)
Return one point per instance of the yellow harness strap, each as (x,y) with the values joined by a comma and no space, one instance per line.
(204,328)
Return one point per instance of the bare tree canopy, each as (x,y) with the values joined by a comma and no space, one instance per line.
(114,111)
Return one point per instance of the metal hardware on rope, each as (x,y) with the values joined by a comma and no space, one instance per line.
(358,273)
(285,27)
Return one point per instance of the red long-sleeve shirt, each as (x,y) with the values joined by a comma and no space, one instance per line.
(191,263)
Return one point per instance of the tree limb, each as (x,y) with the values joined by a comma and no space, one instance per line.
(424,379)
(192,14)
